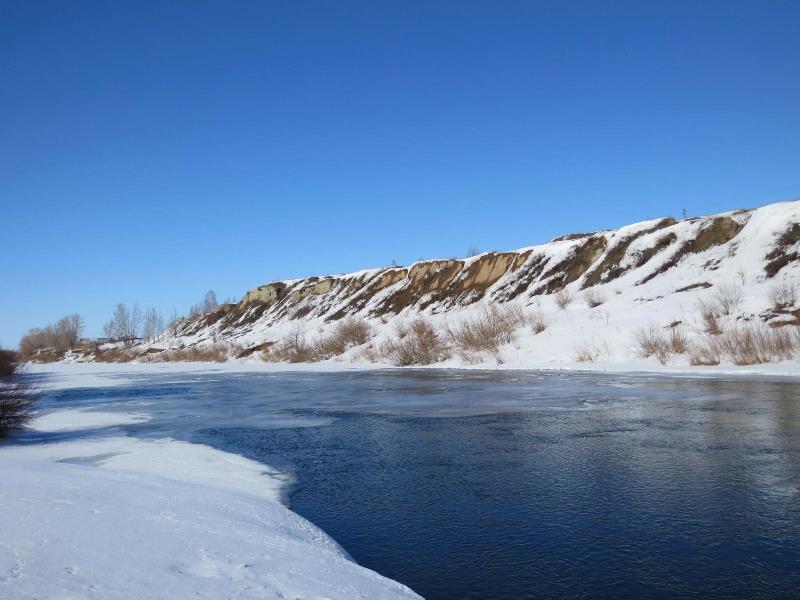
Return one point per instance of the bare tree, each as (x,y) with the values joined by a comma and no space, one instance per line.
(74,325)
(136,321)
(120,322)
(32,341)
(153,324)
(160,326)
(61,336)
(125,322)
(148,329)
(210,303)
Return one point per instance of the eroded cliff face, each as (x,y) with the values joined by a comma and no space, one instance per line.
(629,258)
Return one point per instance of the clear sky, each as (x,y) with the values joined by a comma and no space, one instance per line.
(150,151)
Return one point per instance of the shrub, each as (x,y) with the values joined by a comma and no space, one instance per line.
(16,396)
(708,316)
(783,295)
(587,352)
(8,364)
(370,354)
(748,345)
(416,344)
(213,353)
(293,348)
(593,298)
(114,355)
(678,343)
(514,313)
(705,353)
(653,342)
(538,322)
(563,298)
(347,334)
(728,297)
(486,332)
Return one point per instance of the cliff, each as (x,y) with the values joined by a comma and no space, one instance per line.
(654,273)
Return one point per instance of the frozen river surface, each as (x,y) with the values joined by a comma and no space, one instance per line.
(514,485)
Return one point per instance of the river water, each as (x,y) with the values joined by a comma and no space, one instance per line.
(503,485)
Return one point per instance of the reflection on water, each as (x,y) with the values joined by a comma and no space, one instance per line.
(519,485)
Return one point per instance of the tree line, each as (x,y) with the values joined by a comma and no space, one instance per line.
(61,335)
(127,324)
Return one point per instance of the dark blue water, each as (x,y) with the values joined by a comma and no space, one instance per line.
(523,485)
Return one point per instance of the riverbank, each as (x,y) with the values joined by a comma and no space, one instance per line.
(75,375)
(90,512)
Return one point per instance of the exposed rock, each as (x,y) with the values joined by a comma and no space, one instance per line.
(609,267)
(719,231)
(572,267)
(782,254)
(694,286)
(265,294)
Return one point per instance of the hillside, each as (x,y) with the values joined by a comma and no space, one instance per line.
(663,278)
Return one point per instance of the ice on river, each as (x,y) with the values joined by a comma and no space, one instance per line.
(102,515)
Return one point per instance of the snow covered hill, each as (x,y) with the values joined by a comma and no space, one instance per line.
(581,299)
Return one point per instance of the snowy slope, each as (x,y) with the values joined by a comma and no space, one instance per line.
(112,517)
(649,273)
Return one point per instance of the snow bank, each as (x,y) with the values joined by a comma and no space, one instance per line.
(62,375)
(73,419)
(117,517)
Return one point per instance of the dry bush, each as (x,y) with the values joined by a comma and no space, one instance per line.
(748,345)
(563,298)
(8,363)
(293,348)
(486,332)
(751,345)
(347,334)
(678,343)
(783,295)
(514,313)
(652,341)
(709,313)
(705,353)
(537,321)
(114,355)
(370,354)
(416,344)
(593,298)
(728,297)
(587,352)
(16,396)
(213,353)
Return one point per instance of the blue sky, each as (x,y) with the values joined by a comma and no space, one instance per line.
(150,151)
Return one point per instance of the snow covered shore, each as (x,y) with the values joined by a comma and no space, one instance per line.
(88,512)
(63,375)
